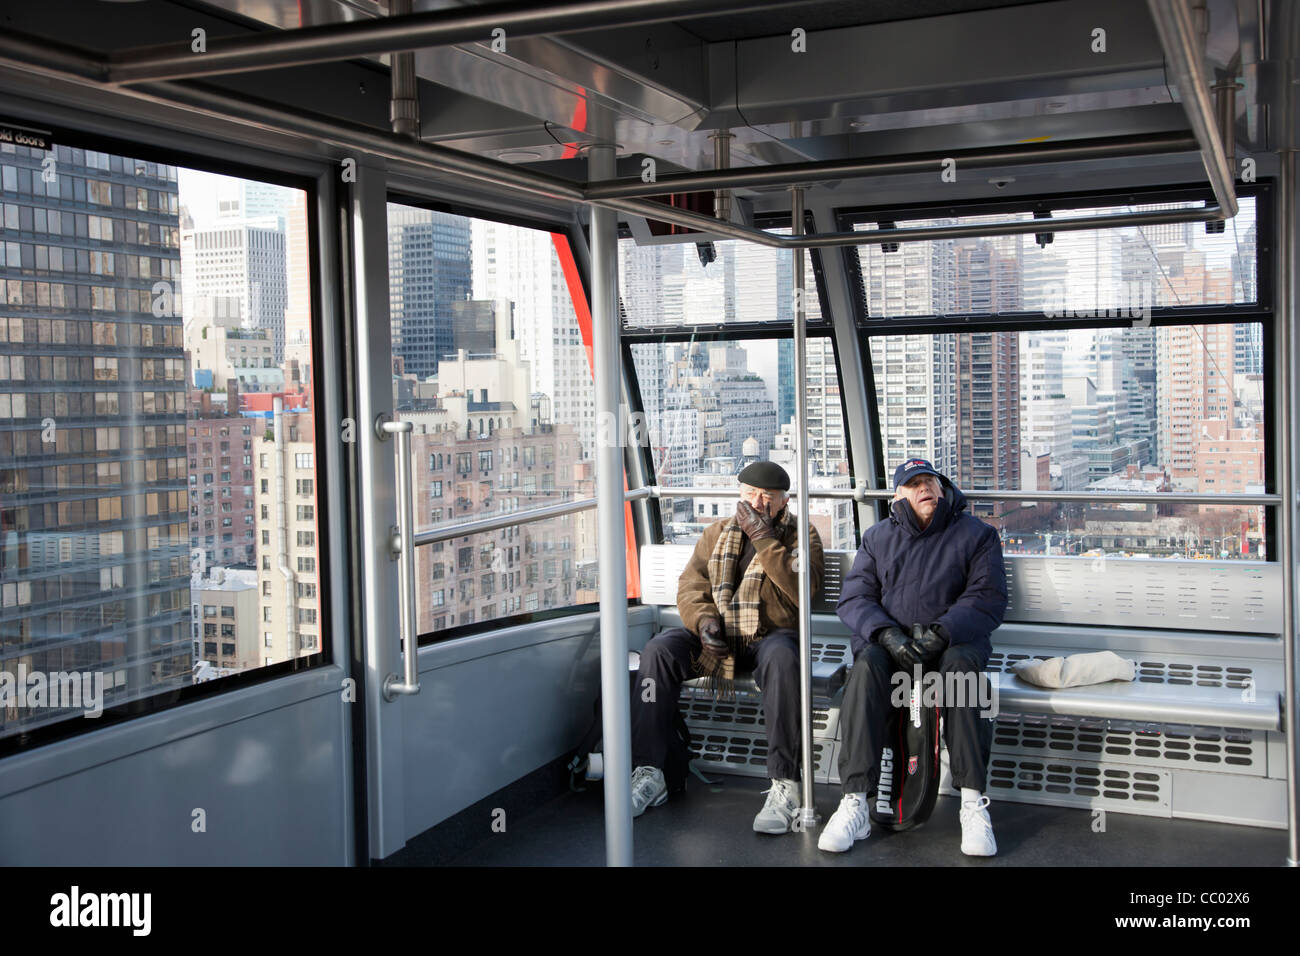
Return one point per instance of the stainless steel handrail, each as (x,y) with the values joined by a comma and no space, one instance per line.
(532,515)
(1185,60)
(616,706)
(710,226)
(864,494)
(403,550)
(781,174)
(331,42)
(482,525)
(808,807)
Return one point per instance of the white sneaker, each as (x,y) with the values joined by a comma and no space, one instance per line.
(780,809)
(648,789)
(977,829)
(850,822)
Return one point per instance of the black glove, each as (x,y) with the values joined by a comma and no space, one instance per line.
(896,641)
(710,630)
(754,523)
(930,643)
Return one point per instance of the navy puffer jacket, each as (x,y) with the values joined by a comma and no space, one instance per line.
(951,574)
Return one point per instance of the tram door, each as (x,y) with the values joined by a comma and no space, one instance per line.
(475,409)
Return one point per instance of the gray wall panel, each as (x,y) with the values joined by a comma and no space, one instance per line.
(272,786)
(497,706)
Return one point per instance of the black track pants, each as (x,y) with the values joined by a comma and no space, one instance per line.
(867,705)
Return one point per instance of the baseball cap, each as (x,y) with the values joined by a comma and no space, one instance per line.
(911,468)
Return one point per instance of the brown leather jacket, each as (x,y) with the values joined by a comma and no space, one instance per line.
(779,594)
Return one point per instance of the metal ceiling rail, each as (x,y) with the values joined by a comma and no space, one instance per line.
(435,28)
(710,226)
(77,67)
(1110,147)
(1185,60)
(54,61)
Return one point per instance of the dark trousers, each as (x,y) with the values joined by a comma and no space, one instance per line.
(666,660)
(867,705)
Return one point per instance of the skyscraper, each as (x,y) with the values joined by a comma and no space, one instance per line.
(1193,384)
(243,264)
(428,269)
(988,368)
(95,564)
(522,265)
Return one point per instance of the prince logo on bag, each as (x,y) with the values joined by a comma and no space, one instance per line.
(904,800)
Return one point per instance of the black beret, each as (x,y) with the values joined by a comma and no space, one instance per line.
(765,474)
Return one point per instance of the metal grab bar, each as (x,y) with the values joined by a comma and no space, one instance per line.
(1185,55)
(496,523)
(402,549)
(863,494)
(807,819)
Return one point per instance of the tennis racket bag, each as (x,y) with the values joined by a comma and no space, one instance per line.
(909,767)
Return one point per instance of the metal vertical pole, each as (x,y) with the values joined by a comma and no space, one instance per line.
(808,815)
(616,713)
(404,105)
(1284,417)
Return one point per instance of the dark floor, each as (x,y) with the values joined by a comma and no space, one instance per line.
(709,825)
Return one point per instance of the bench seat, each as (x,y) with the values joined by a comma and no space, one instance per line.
(827,678)
(1157,703)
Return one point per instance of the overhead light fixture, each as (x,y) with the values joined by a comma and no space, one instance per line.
(859,124)
(518,155)
(1043,238)
(888,246)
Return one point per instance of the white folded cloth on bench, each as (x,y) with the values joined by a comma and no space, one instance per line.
(1096,668)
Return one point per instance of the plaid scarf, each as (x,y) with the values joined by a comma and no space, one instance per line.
(738,604)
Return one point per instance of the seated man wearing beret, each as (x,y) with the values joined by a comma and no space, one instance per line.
(738,599)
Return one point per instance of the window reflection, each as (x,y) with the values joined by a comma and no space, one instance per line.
(154,371)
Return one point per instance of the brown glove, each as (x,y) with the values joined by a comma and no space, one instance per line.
(710,631)
(754,523)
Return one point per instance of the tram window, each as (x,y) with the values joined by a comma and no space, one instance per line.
(668,286)
(490,366)
(712,406)
(1170,408)
(1103,273)
(244,272)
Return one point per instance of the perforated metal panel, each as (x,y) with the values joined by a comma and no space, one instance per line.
(1225,596)
(663,564)
(1072,783)
(831,651)
(731,735)
(837,565)
(1225,750)
(744,713)
(746,754)
(1229,596)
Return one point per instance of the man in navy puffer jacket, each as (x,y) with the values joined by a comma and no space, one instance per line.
(935,566)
